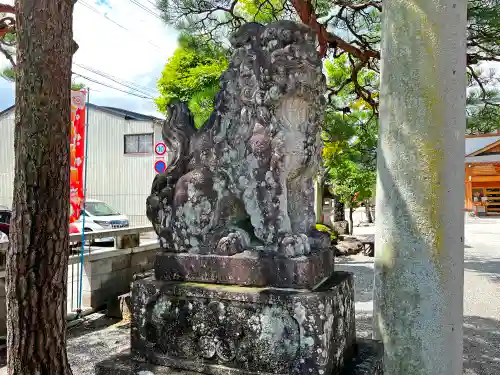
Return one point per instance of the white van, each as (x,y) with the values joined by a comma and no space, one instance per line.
(100,216)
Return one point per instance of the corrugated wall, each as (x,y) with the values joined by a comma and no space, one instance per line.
(122,181)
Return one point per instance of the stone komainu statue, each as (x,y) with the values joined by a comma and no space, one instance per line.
(245,179)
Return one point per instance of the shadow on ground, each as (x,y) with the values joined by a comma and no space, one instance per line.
(481,346)
(481,343)
(488,267)
(94,341)
(363,278)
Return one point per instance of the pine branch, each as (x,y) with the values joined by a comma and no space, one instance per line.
(6,23)
(7,55)
(6,8)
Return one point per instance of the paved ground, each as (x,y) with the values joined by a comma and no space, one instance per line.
(481,294)
(101,337)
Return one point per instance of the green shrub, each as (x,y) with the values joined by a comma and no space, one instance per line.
(326,229)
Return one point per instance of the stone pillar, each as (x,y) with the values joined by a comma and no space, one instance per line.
(418,292)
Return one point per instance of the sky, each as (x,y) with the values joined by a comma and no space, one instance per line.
(118,38)
(135,50)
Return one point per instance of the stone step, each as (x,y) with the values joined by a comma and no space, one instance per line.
(369,361)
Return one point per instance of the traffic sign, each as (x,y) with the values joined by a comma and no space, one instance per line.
(160,166)
(160,148)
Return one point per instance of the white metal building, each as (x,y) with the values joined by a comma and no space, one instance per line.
(120,160)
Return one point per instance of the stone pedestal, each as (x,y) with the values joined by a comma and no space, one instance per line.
(222,329)
(247,268)
(217,329)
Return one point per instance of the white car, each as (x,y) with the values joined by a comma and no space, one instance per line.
(3,237)
(99,216)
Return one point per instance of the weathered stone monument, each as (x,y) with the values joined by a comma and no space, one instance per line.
(244,284)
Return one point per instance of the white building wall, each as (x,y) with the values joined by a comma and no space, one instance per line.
(6,158)
(123,181)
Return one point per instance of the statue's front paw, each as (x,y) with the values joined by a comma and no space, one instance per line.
(234,243)
(294,245)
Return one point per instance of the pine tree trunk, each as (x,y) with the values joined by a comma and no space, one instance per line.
(37,260)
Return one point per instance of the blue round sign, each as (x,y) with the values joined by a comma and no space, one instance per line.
(160,166)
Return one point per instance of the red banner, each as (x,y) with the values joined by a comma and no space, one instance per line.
(77,152)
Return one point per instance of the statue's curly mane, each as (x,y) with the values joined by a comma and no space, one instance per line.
(265,125)
(268,63)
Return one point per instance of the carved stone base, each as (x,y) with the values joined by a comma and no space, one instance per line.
(368,362)
(251,269)
(217,329)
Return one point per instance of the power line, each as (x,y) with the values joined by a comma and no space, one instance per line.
(122,82)
(153,4)
(90,7)
(146,9)
(112,87)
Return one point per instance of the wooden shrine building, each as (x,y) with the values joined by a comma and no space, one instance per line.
(482,174)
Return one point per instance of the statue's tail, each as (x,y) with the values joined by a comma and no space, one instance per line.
(177,131)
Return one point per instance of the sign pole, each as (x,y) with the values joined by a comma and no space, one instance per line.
(82,251)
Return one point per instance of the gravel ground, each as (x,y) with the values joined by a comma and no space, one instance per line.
(101,337)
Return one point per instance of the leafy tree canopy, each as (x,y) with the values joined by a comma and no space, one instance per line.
(350,28)
(192,75)
(350,134)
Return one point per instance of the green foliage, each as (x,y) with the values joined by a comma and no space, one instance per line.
(327,229)
(350,180)
(483,19)
(8,74)
(201,104)
(217,19)
(349,134)
(483,119)
(262,11)
(76,86)
(356,22)
(350,162)
(483,101)
(192,75)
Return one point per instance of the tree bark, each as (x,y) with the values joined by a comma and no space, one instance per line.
(418,284)
(368,213)
(338,210)
(37,261)
(351,220)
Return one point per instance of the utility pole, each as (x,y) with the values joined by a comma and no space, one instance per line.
(418,293)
